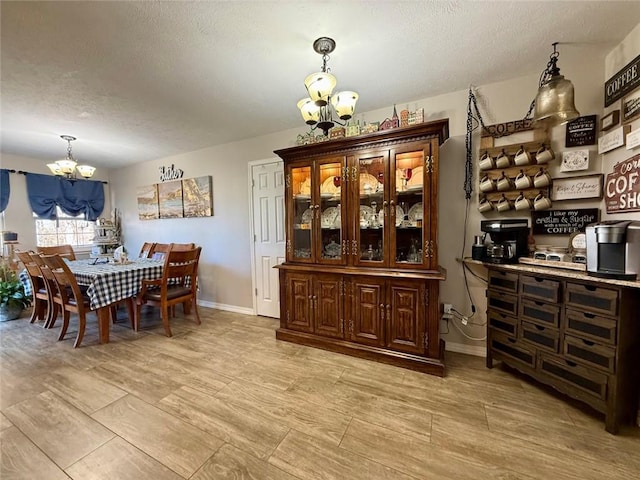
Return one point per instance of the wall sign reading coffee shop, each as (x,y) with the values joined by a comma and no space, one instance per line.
(563,222)
(622,188)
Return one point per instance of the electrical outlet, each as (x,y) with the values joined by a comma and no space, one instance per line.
(448,308)
(465,320)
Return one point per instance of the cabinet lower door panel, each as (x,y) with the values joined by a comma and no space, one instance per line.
(366,322)
(405,317)
(328,310)
(298,312)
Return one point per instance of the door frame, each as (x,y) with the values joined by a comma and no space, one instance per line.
(252,243)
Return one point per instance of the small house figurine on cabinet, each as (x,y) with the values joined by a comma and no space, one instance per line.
(404,118)
(337,132)
(393,122)
(353,129)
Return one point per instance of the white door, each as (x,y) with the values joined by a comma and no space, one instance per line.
(267,192)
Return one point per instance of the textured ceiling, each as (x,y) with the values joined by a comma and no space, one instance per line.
(138,80)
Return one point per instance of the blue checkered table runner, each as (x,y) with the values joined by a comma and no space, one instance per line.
(110,282)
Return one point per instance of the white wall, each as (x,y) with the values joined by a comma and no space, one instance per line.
(620,56)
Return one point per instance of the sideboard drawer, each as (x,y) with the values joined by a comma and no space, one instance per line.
(583,378)
(590,326)
(502,301)
(503,322)
(542,337)
(540,312)
(588,352)
(540,288)
(596,299)
(510,347)
(504,280)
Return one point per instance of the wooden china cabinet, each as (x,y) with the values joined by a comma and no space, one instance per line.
(361,275)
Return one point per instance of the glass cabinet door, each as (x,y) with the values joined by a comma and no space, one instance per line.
(408,195)
(332,244)
(372,214)
(300,242)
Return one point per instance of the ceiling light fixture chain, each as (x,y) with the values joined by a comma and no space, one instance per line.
(318,109)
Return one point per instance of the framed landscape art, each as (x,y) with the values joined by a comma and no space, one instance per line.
(170,199)
(148,202)
(186,198)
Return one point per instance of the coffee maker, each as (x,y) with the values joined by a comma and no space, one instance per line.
(613,249)
(509,239)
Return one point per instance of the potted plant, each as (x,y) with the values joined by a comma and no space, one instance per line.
(12,297)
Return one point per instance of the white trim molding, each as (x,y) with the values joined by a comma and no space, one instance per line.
(226,308)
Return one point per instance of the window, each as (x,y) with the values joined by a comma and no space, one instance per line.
(66,230)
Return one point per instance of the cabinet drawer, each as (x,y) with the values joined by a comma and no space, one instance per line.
(590,326)
(540,288)
(540,312)
(504,280)
(596,299)
(586,351)
(502,322)
(502,301)
(585,379)
(510,347)
(542,337)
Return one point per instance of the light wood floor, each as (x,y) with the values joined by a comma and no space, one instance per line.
(225,400)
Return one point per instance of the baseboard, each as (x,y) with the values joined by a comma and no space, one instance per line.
(477,350)
(226,308)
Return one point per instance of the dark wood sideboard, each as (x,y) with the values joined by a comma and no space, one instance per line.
(361,275)
(576,333)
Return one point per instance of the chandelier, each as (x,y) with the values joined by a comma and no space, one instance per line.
(318,109)
(554,102)
(67,166)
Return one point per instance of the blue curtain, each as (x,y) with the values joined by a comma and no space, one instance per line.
(4,189)
(74,197)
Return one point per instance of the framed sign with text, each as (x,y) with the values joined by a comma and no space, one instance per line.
(563,222)
(622,82)
(577,188)
(581,131)
(622,191)
(631,106)
(609,121)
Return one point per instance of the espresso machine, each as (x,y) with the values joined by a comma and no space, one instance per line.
(613,249)
(508,239)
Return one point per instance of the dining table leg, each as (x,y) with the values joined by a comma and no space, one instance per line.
(103,323)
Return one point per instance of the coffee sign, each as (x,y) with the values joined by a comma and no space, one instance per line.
(622,82)
(581,131)
(622,189)
(563,222)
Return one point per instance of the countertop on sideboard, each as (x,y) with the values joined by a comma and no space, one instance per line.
(557,272)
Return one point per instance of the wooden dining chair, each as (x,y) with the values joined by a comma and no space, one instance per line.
(69,297)
(177,285)
(65,251)
(159,251)
(145,251)
(39,293)
(52,289)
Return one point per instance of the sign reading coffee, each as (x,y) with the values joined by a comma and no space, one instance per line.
(622,82)
(581,131)
(622,188)
(563,222)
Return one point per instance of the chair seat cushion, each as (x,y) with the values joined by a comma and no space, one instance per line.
(172,292)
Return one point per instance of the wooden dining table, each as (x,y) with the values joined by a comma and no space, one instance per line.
(109,283)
